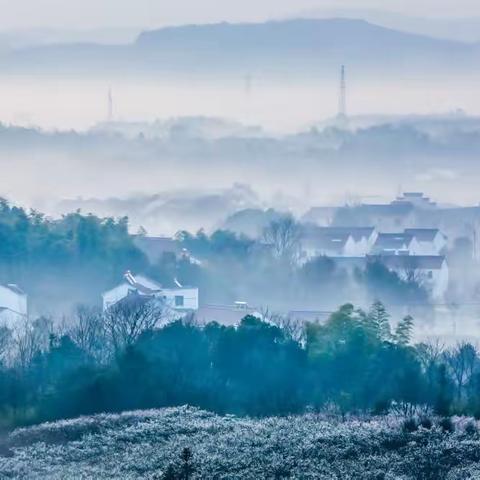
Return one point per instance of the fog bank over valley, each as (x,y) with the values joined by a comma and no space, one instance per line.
(193,172)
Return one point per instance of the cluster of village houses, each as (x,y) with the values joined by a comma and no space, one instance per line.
(397,240)
(413,253)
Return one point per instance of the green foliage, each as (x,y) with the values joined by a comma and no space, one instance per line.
(220,243)
(57,259)
(353,356)
(403,332)
(443,391)
(378,320)
(319,270)
(388,286)
(351,363)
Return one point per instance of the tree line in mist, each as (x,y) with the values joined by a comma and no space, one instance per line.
(63,262)
(128,359)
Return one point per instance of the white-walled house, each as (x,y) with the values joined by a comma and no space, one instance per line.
(324,244)
(430,271)
(431,241)
(178,298)
(363,239)
(336,241)
(13,305)
(396,244)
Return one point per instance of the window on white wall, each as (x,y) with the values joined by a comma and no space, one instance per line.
(179,301)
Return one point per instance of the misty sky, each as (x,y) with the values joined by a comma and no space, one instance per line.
(150,13)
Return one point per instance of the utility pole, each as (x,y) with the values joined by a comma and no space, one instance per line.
(342,99)
(110,106)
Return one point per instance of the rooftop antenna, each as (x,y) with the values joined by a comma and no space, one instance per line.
(342,99)
(110,105)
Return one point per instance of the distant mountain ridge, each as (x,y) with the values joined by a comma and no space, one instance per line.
(295,46)
(463,29)
(301,32)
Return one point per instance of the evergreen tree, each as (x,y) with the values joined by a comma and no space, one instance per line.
(403,332)
(187,467)
(379,320)
(170,474)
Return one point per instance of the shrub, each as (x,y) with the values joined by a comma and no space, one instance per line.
(409,425)
(471,428)
(426,422)
(447,425)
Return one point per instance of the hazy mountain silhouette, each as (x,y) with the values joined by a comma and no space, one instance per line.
(292,46)
(463,29)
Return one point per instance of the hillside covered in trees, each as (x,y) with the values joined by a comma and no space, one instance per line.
(60,262)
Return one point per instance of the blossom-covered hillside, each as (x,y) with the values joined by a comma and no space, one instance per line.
(151,444)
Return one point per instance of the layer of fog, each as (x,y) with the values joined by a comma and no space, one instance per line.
(193,172)
(75,103)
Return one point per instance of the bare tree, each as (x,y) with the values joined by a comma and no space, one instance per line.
(5,342)
(408,410)
(430,353)
(462,361)
(414,275)
(292,327)
(28,340)
(89,333)
(284,237)
(128,319)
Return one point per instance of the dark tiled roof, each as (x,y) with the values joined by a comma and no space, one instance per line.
(411,262)
(413,194)
(324,241)
(392,241)
(140,284)
(357,233)
(423,234)
(14,288)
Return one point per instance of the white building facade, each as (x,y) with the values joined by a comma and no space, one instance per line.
(13,305)
(179,299)
(430,240)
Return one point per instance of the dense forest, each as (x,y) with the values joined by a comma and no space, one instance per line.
(66,260)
